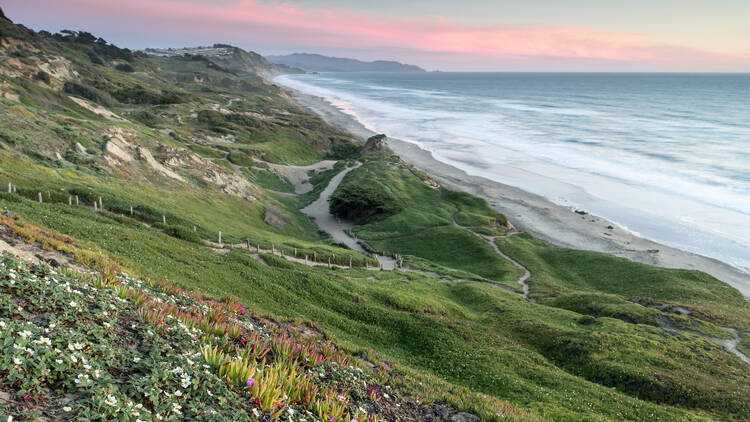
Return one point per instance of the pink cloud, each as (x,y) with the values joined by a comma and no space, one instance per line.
(283,22)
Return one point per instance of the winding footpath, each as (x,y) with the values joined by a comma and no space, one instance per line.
(729,344)
(492,241)
(320,212)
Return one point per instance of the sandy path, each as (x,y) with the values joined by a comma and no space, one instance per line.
(729,344)
(491,240)
(319,211)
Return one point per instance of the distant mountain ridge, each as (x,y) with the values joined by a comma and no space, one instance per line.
(320,63)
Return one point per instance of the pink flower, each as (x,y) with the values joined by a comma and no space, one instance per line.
(250,383)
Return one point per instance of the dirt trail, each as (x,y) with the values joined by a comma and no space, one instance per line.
(17,246)
(319,211)
(491,240)
(729,344)
(255,252)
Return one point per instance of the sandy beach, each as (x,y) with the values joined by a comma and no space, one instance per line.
(552,223)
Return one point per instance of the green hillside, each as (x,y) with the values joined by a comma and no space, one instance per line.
(179,151)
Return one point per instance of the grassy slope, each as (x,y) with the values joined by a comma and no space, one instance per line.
(424,228)
(548,358)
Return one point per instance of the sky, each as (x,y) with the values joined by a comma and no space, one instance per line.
(479,35)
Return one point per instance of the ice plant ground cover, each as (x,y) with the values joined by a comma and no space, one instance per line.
(90,346)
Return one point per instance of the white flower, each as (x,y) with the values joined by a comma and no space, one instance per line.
(73,304)
(67,409)
(17,361)
(178,393)
(25,333)
(97,373)
(136,359)
(58,361)
(176,408)
(110,400)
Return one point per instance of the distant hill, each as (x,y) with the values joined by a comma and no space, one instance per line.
(320,63)
(228,57)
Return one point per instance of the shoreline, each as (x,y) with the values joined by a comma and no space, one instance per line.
(554,224)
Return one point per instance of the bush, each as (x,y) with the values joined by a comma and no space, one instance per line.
(344,149)
(124,67)
(141,95)
(89,93)
(240,158)
(363,203)
(183,233)
(42,76)
(149,119)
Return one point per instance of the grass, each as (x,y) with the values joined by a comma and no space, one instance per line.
(590,350)
(456,248)
(468,334)
(269,180)
(559,270)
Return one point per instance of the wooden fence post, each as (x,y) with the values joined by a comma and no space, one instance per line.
(10,188)
(95,207)
(329,262)
(164,221)
(350,261)
(14,188)
(295,252)
(40,197)
(131,210)
(273,249)
(76,200)
(70,200)
(305,259)
(101,207)
(195,229)
(247,243)
(220,239)
(315,256)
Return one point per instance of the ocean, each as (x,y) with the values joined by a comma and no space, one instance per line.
(666,156)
